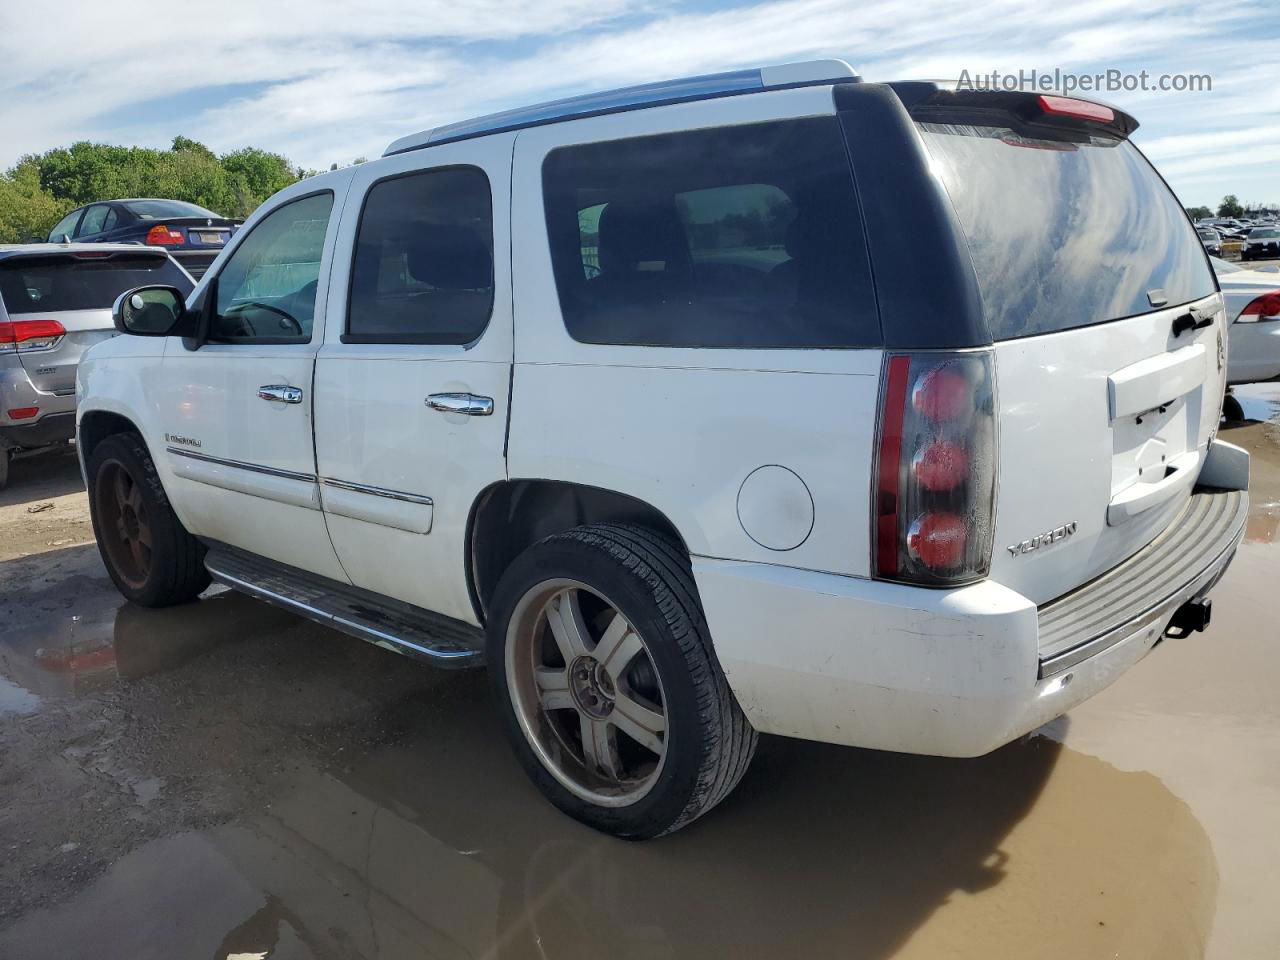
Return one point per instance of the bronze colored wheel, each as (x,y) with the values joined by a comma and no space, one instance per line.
(125,531)
(151,557)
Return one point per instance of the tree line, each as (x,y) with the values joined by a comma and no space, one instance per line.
(41,188)
(1233,208)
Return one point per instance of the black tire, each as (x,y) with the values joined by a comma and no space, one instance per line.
(709,742)
(172,567)
(1232,411)
(6,458)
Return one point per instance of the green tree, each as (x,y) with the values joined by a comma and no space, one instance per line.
(26,211)
(1198,213)
(41,188)
(1230,206)
(254,175)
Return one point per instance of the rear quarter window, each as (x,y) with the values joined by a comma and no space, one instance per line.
(1065,234)
(50,284)
(744,236)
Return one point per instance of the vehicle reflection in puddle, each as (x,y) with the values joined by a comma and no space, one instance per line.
(82,653)
(435,846)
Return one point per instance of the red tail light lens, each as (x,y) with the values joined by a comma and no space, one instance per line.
(1267,305)
(937,540)
(23,413)
(162,236)
(942,395)
(21,336)
(935,470)
(942,465)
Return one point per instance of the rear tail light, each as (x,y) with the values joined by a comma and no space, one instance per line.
(1265,306)
(23,413)
(935,469)
(22,336)
(162,236)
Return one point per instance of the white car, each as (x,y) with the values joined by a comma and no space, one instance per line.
(1252,299)
(772,401)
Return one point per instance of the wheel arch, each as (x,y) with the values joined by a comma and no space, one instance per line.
(96,425)
(509,516)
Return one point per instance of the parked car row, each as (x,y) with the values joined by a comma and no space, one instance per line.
(192,234)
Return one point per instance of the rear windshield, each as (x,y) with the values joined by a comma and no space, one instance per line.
(1263,233)
(51,284)
(161,209)
(1065,234)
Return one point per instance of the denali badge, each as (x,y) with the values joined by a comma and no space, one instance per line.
(183,441)
(1043,540)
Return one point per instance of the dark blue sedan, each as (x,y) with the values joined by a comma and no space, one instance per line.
(192,235)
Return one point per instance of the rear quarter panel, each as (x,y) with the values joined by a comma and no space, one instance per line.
(679,428)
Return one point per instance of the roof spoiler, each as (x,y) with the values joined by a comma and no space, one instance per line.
(944,103)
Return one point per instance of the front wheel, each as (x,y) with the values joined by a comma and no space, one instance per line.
(149,554)
(610,692)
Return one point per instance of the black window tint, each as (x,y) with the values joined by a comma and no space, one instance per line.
(423,265)
(1064,234)
(745,236)
(112,221)
(267,288)
(53,283)
(93,220)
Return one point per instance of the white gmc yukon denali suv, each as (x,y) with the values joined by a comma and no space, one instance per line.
(767,402)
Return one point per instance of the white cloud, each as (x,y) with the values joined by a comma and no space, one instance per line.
(340,80)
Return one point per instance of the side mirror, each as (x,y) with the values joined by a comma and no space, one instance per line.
(153,311)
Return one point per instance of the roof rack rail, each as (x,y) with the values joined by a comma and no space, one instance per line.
(805,74)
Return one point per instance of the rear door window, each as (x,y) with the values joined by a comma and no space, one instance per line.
(93,221)
(55,283)
(744,236)
(1065,234)
(423,265)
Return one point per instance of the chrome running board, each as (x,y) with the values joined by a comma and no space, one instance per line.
(400,627)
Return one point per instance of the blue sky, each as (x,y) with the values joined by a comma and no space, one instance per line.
(325,82)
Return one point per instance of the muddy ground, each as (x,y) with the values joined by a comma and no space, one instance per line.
(225,780)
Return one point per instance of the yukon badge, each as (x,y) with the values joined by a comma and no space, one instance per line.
(1043,540)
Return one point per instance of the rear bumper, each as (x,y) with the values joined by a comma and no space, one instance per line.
(942,672)
(55,420)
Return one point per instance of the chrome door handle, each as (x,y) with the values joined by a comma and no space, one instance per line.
(280,393)
(466,403)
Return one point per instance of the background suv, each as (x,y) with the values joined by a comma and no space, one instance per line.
(193,235)
(54,305)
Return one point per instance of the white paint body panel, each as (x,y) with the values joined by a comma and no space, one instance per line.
(373,426)
(1065,458)
(210,395)
(682,429)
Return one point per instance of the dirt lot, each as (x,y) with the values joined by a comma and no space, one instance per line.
(224,780)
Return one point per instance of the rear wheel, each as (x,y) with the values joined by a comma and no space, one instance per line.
(1232,411)
(6,457)
(149,554)
(611,694)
